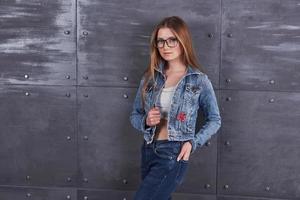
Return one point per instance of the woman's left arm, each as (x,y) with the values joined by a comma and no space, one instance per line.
(208,102)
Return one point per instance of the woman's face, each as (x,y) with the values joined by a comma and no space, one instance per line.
(166,52)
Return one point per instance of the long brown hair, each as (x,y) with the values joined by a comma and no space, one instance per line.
(181,31)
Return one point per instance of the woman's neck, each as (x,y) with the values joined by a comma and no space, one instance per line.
(175,66)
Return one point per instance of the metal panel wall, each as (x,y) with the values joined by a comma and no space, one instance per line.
(260,45)
(108,149)
(259,146)
(69,74)
(19,193)
(37,42)
(38,141)
(113,37)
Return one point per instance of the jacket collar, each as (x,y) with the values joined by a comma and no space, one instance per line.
(190,70)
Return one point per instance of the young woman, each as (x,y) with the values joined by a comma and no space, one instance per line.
(171,91)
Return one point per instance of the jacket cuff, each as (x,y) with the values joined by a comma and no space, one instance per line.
(194,145)
(145,128)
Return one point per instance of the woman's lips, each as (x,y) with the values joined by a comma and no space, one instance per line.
(168,53)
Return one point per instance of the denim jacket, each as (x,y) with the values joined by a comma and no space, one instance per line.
(192,92)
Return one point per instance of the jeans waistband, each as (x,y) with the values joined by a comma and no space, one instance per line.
(163,142)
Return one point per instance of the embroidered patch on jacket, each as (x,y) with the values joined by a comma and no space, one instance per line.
(181,116)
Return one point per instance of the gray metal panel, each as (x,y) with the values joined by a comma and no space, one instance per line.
(109,158)
(245,198)
(114,36)
(201,174)
(34,131)
(34,41)
(263,52)
(262,157)
(191,196)
(20,193)
(117,195)
(105,194)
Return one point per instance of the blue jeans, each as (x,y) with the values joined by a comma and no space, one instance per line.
(161,173)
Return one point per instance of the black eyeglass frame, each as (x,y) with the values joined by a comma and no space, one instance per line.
(166,41)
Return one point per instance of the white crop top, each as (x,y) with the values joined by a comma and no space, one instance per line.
(165,101)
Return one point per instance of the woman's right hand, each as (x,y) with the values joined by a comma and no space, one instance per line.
(153,116)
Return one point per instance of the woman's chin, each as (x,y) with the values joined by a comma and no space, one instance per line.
(168,58)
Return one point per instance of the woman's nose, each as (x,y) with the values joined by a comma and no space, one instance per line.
(166,46)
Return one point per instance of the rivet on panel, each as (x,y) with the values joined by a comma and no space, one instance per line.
(229,35)
(85,77)
(226,187)
(125,96)
(27,93)
(207,143)
(68,138)
(227,143)
(68,197)
(85,137)
(85,33)
(68,76)
(228,98)
(125,78)
(28,177)
(85,95)
(26,76)
(28,195)
(207,185)
(68,94)
(271,100)
(228,80)
(271,81)
(85,198)
(125,181)
(85,180)
(124,198)
(267,188)
(69,179)
(67,32)
(210,35)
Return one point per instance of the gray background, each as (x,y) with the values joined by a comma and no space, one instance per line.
(70,71)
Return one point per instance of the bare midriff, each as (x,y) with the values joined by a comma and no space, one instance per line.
(161,132)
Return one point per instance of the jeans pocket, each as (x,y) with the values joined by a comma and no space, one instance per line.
(165,152)
(184,161)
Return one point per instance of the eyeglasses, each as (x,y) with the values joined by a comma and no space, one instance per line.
(171,42)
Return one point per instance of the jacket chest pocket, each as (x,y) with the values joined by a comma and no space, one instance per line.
(189,106)
(191,95)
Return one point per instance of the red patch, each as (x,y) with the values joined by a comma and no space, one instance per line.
(181,116)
